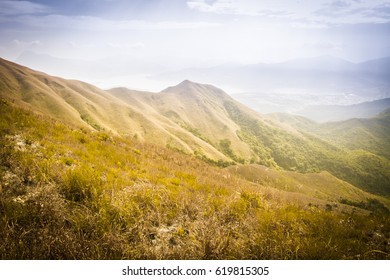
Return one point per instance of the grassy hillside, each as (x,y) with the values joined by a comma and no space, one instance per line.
(370,134)
(321,185)
(247,137)
(200,120)
(83,104)
(306,152)
(199,110)
(70,193)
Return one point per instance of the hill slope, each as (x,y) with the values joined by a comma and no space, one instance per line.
(246,136)
(196,119)
(70,193)
(83,104)
(197,108)
(321,185)
(371,134)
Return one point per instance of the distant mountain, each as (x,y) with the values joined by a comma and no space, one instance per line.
(296,73)
(321,63)
(293,85)
(196,119)
(378,66)
(289,86)
(369,134)
(326,113)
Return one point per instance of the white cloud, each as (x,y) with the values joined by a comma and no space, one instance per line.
(354,12)
(99,24)
(237,7)
(21,8)
(309,24)
(324,46)
(218,7)
(304,13)
(26,44)
(205,33)
(136,45)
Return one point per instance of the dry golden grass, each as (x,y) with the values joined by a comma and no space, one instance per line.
(69,193)
(321,185)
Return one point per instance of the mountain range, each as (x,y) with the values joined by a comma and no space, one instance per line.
(201,120)
(187,172)
(319,75)
(328,113)
(310,87)
(300,86)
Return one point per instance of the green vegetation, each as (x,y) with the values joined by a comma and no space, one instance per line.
(371,204)
(89,121)
(70,193)
(195,132)
(371,135)
(224,147)
(219,163)
(276,147)
(321,185)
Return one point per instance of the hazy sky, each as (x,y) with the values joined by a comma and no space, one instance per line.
(173,34)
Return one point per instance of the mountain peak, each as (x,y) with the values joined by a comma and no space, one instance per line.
(187,83)
(195,90)
(184,86)
(325,62)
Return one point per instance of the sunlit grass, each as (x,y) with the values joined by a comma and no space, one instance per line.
(69,193)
